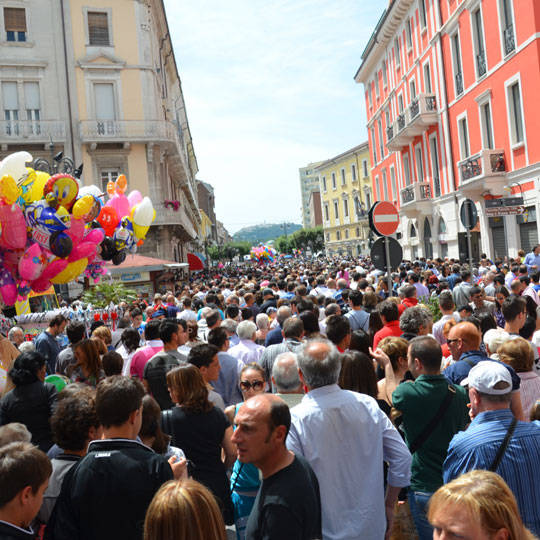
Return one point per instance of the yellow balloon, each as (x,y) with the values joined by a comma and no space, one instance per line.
(9,190)
(70,272)
(82,206)
(32,186)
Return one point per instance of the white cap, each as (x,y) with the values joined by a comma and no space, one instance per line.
(489,377)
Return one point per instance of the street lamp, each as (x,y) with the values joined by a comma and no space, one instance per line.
(58,163)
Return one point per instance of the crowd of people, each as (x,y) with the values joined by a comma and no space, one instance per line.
(304,399)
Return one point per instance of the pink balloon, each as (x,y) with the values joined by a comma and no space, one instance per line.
(120,203)
(134,198)
(95,236)
(31,263)
(13,227)
(41,284)
(82,251)
(54,268)
(76,231)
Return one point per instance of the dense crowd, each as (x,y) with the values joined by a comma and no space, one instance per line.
(306,399)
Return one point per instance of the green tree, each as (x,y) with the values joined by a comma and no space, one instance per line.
(283,244)
(308,238)
(102,294)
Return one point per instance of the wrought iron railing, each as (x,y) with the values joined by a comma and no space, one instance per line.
(37,130)
(414,108)
(389,133)
(481,63)
(509,40)
(471,168)
(459,83)
(401,121)
(407,195)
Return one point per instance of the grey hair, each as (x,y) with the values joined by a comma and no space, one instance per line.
(13,330)
(319,370)
(283,313)
(494,338)
(262,321)
(14,432)
(229,325)
(285,372)
(26,346)
(413,318)
(246,329)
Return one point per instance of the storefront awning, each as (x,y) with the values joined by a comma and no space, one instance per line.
(140,263)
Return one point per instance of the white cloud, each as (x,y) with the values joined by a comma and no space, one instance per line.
(269,88)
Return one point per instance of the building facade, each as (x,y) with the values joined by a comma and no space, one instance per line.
(98,80)
(345,187)
(309,182)
(450,92)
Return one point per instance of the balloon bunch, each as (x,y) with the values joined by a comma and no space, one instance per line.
(51,231)
(263,254)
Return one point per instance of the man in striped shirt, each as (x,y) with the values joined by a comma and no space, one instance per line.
(480,446)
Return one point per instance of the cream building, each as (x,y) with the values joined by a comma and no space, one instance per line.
(98,80)
(346,197)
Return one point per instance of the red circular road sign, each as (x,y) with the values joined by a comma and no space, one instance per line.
(385,218)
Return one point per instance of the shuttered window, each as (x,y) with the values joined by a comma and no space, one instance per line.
(98,28)
(15,24)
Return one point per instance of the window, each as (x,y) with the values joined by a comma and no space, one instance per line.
(406,169)
(419,164)
(384,74)
(11,107)
(435,166)
(357,232)
(367,194)
(343,180)
(516,119)
(336,210)
(400,103)
(458,74)
(377,190)
(463,131)
(105,108)
(334,185)
(408,34)
(478,42)
(427,78)
(370,100)
(381,141)
(326,213)
(346,233)
(338,235)
(385,184)
(98,28)
(412,87)
(485,121)
(15,24)
(387,117)
(393,181)
(373,145)
(353,172)
(108,175)
(345,208)
(365,168)
(376,83)
(324,184)
(32,105)
(507,24)
(422,9)
(397,53)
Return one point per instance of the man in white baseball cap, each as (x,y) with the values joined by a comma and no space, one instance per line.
(496,441)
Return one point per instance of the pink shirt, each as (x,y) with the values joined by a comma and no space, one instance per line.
(141,357)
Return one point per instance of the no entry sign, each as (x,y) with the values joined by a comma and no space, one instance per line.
(384,218)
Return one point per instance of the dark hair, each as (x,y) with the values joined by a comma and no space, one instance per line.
(428,351)
(21,465)
(512,307)
(151,330)
(280,415)
(135,312)
(92,360)
(247,314)
(358,374)
(94,325)
(475,289)
(57,320)
(167,328)
(487,321)
(202,355)
(360,341)
(151,425)
(72,418)
(75,331)
(212,318)
(293,328)
(337,328)
(356,298)
(231,312)
(116,398)
(217,337)
(446,301)
(191,392)
(112,363)
(26,367)
(389,310)
(310,322)
(131,339)
(193,330)
(304,305)
(528,329)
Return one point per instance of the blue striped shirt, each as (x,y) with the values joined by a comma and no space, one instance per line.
(477,447)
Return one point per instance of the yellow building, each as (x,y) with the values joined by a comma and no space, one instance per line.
(346,197)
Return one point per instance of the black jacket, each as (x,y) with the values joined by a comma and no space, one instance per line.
(105,496)
(11,532)
(31,405)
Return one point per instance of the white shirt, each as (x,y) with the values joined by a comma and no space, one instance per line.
(247,351)
(439,325)
(187,315)
(345,437)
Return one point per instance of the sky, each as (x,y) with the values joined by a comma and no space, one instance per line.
(269,87)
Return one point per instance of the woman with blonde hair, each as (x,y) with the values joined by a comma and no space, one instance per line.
(477,505)
(183,511)
(104,333)
(202,431)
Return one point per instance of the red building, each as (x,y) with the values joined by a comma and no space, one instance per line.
(451,88)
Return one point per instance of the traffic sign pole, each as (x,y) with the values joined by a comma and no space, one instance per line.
(388,264)
(469,248)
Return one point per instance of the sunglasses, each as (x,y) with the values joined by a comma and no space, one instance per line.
(256,385)
(452,340)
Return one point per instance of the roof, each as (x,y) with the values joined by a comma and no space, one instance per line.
(323,164)
(144,264)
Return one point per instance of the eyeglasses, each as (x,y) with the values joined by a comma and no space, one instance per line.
(449,341)
(256,385)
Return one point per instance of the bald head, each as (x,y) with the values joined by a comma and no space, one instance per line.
(267,408)
(469,335)
(285,374)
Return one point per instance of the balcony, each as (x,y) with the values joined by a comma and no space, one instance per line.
(482,172)
(421,113)
(115,131)
(169,216)
(31,131)
(416,199)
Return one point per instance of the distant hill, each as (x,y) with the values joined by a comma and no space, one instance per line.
(264,232)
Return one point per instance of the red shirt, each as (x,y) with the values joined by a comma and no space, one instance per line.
(390,329)
(409,302)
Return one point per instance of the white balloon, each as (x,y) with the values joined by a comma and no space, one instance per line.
(14,165)
(144,213)
(90,190)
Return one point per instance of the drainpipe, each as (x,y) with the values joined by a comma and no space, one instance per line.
(66,67)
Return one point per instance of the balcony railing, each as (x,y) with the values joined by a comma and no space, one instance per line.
(509,40)
(481,63)
(128,130)
(459,83)
(484,164)
(401,121)
(416,193)
(13,131)
(389,133)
